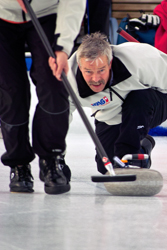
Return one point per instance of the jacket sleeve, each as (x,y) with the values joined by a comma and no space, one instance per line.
(147,65)
(69,18)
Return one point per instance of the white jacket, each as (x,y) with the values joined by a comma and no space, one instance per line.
(69,16)
(135,66)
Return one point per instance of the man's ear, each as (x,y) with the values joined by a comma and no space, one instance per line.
(79,66)
(110,64)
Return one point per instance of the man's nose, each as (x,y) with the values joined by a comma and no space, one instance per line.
(95,77)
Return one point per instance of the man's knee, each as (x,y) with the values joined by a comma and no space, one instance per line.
(138,101)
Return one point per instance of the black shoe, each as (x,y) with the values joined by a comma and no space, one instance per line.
(56,175)
(64,166)
(147,145)
(21,179)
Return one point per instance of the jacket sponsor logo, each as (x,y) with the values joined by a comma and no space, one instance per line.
(102,102)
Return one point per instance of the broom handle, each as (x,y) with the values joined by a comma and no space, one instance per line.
(69,89)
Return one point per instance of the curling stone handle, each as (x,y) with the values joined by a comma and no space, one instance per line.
(135,157)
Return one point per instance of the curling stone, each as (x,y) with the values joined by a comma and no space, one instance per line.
(148,183)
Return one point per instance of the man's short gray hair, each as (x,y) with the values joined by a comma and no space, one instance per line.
(93,46)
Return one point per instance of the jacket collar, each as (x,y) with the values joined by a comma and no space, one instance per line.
(120,73)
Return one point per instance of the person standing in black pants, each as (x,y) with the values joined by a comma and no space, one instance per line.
(61,22)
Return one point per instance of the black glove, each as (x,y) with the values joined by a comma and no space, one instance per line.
(151,20)
(144,22)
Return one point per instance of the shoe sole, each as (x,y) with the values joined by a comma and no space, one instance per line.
(18,190)
(57,189)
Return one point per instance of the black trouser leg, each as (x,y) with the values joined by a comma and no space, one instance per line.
(107,136)
(50,124)
(49,133)
(141,111)
(16,139)
(14,95)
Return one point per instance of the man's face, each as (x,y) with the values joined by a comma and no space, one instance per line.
(96,73)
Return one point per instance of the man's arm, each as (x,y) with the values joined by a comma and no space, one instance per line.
(69,18)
